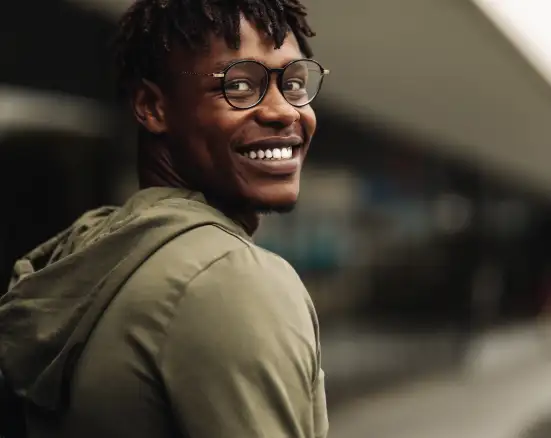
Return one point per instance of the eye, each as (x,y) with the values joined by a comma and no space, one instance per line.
(293,85)
(238,86)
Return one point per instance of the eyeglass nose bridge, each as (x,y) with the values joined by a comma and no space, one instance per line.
(279,72)
(279,81)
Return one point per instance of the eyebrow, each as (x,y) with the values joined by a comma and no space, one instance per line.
(221,65)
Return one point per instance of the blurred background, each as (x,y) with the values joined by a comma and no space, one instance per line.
(425,214)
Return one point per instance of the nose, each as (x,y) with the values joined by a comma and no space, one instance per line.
(274,110)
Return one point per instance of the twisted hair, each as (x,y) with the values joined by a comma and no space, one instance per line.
(150,28)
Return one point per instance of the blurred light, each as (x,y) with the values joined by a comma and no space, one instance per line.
(526,24)
(452,213)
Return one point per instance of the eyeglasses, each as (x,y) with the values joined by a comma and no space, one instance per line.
(245,83)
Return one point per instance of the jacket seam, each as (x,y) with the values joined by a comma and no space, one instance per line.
(183,292)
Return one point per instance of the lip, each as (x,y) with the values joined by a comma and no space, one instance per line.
(272,142)
(272,167)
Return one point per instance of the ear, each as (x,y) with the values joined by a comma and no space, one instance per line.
(149,106)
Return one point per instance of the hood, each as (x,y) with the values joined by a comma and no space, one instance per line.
(60,289)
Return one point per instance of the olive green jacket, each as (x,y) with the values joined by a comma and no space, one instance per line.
(161,319)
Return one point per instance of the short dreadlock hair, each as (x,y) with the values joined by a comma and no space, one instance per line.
(150,28)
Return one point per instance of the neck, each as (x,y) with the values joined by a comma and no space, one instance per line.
(250,224)
(156,169)
(248,219)
(155,166)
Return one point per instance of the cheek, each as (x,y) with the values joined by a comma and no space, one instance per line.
(308,120)
(219,126)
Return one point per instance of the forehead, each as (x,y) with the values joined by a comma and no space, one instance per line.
(254,44)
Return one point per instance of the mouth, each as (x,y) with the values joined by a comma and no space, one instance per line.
(272,149)
(272,154)
(274,157)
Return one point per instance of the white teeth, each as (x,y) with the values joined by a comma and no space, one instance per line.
(270,154)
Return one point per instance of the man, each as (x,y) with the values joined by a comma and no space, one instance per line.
(162,318)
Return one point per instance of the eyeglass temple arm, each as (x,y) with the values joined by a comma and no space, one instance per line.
(213,75)
(221,75)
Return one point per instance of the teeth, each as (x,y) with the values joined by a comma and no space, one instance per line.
(270,154)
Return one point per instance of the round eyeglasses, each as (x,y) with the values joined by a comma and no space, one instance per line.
(245,83)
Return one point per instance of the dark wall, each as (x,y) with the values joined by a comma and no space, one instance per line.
(52,45)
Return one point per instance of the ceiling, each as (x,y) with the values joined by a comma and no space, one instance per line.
(442,69)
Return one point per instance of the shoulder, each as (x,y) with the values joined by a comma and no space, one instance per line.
(209,255)
(248,279)
(211,263)
(216,272)
(247,310)
(251,299)
(251,273)
(211,291)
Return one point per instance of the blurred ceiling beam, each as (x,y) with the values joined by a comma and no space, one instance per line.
(23,111)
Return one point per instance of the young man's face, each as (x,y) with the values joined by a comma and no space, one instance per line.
(208,136)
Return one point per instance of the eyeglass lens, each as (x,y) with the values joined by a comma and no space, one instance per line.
(246,83)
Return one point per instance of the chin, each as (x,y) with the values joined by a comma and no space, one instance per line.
(274,198)
(268,207)
(279,197)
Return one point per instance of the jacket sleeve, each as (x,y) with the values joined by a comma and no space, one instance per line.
(241,359)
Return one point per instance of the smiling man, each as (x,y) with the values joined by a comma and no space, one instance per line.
(227,110)
(162,318)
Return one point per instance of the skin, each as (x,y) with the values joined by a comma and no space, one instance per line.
(193,133)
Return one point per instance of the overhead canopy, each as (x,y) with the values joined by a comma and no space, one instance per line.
(443,69)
